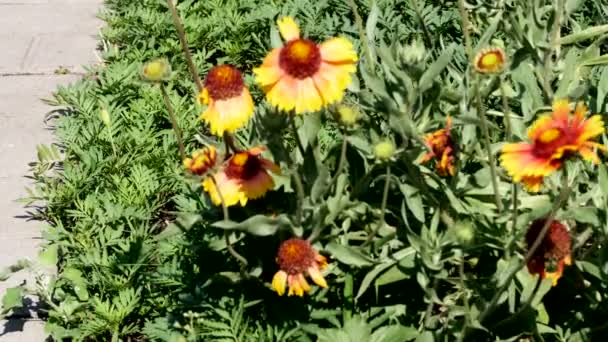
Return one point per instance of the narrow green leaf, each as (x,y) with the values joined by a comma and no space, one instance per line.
(583,35)
(435,69)
(259,225)
(348,255)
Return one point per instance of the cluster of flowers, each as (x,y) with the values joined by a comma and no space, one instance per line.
(302,76)
(299,77)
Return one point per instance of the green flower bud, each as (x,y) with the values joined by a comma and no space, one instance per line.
(384,150)
(156,70)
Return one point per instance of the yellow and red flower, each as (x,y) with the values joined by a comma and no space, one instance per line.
(490,60)
(303,76)
(555,138)
(296,258)
(553,253)
(202,161)
(442,149)
(229,103)
(244,176)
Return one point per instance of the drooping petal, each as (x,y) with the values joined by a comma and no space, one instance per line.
(338,50)
(303,283)
(229,188)
(316,276)
(279,282)
(288,28)
(332,80)
(230,114)
(308,99)
(257,186)
(284,93)
(270,72)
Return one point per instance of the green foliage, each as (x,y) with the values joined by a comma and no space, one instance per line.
(142,253)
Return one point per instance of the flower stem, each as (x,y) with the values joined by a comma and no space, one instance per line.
(173,119)
(179,26)
(292,122)
(362,35)
(565,192)
(553,48)
(387,184)
(488,146)
(465,30)
(509,128)
(229,247)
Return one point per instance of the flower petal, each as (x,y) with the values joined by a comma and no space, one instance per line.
(279,281)
(317,277)
(230,114)
(338,50)
(308,99)
(288,28)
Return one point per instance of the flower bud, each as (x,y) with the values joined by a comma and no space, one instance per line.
(348,115)
(156,70)
(384,150)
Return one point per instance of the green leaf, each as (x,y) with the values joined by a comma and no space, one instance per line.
(413,200)
(394,333)
(602,91)
(370,276)
(599,60)
(48,256)
(426,336)
(435,69)
(259,225)
(585,215)
(13,298)
(348,255)
(370,29)
(583,35)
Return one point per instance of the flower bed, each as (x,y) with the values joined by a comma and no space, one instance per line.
(330,170)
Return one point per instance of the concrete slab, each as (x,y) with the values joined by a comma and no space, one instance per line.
(20,330)
(38,36)
(56,17)
(50,51)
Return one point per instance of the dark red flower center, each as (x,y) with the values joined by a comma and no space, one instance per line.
(243,165)
(295,256)
(549,141)
(300,58)
(224,82)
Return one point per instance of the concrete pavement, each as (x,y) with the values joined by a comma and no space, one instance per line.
(38,38)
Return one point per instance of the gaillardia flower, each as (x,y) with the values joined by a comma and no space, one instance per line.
(202,161)
(243,177)
(303,76)
(229,103)
(442,149)
(490,60)
(554,138)
(296,257)
(553,252)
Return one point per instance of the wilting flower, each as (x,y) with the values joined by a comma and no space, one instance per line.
(229,103)
(490,60)
(304,76)
(442,149)
(296,257)
(202,161)
(156,70)
(555,138)
(553,252)
(244,176)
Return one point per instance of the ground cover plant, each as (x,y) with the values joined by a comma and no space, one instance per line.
(332,170)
